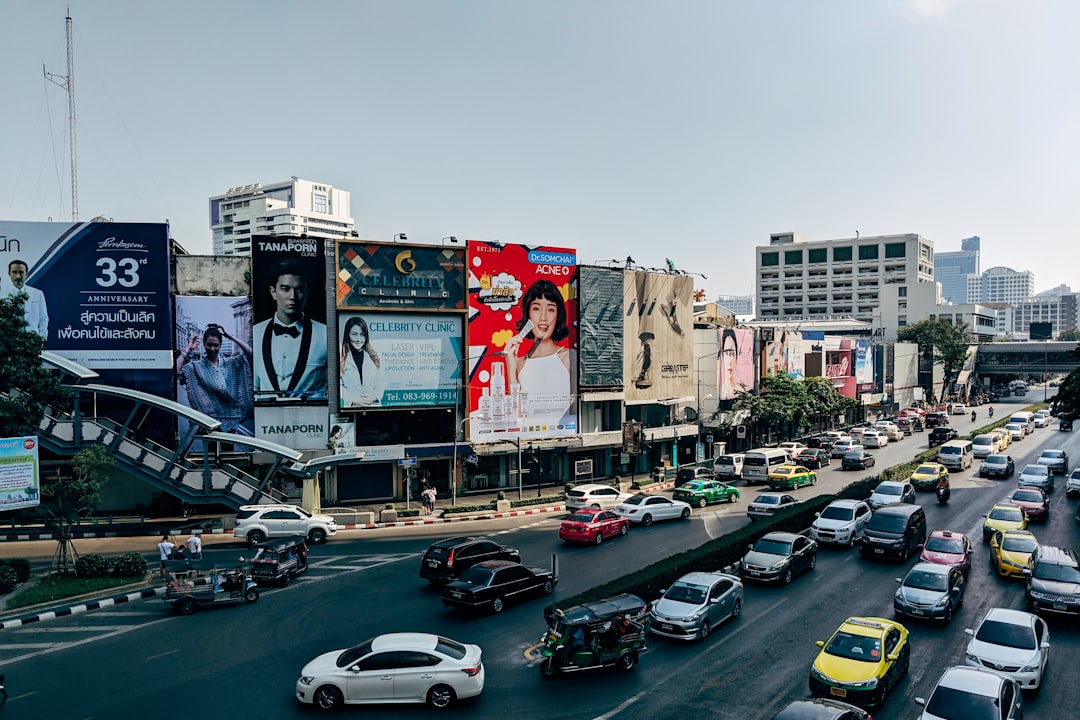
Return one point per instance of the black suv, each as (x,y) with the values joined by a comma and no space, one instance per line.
(936,419)
(896,531)
(942,434)
(447,559)
(1053,581)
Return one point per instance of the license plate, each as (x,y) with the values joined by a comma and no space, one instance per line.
(879,551)
(838,692)
(666,626)
(455,594)
(1059,606)
(755,573)
(433,563)
(918,612)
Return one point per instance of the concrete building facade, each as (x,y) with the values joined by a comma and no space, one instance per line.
(952,269)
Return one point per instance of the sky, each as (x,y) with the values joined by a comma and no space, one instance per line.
(687,130)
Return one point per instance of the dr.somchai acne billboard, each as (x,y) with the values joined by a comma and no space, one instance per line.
(523,316)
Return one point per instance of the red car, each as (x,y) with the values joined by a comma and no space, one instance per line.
(1034,501)
(592,525)
(945,547)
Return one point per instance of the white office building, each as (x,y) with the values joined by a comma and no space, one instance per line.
(1057,308)
(799,279)
(1001,284)
(293,207)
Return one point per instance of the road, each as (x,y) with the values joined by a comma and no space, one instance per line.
(140,659)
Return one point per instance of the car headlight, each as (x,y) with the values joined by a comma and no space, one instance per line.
(818,674)
(1029,668)
(974,659)
(871,683)
(899,596)
(780,565)
(695,616)
(943,601)
(306,679)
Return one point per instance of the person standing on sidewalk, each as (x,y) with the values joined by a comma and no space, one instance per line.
(194,544)
(165,549)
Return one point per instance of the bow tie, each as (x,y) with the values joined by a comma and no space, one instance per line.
(290,330)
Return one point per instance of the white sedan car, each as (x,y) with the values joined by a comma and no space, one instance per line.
(394,668)
(644,509)
(594,495)
(1012,642)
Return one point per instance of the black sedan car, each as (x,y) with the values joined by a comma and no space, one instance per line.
(491,585)
(941,434)
(821,709)
(857,460)
(814,458)
(997,466)
(446,559)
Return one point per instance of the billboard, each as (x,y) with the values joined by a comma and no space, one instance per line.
(214,360)
(99,293)
(601,338)
(399,359)
(303,427)
(20,482)
(289,343)
(398,277)
(785,354)
(864,364)
(523,323)
(658,327)
(736,361)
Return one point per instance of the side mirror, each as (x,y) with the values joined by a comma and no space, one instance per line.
(899,580)
(243,559)
(893,657)
(969,631)
(820,643)
(920,701)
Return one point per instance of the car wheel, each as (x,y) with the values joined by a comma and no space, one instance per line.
(596,506)
(702,502)
(813,479)
(733,498)
(497,605)
(647,520)
(787,577)
(327,697)
(625,528)
(547,668)
(549,586)
(813,561)
(948,613)
(317,536)
(255,537)
(884,693)
(703,632)
(599,538)
(685,514)
(286,580)
(627,662)
(736,609)
(185,606)
(251,595)
(441,696)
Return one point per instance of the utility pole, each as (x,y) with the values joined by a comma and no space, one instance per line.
(67,82)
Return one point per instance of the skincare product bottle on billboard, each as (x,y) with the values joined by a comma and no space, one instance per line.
(513,414)
(484,405)
(498,395)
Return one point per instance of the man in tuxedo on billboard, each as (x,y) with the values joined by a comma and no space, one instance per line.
(290,347)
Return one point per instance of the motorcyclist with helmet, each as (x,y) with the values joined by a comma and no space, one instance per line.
(943,490)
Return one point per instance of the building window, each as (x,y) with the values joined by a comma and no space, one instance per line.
(868,252)
(770,259)
(793,257)
(901,291)
(895,250)
(841,254)
(818,255)
(320,203)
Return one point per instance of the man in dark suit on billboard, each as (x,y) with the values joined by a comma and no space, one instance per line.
(290,347)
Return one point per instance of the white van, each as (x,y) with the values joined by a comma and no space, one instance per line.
(757,464)
(986,444)
(1025,418)
(728,466)
(956,454)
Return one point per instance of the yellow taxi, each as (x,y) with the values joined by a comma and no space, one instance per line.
(1004,438)
(1003,516)
(1010,551)
(790,477)
(863,659)
(927,476)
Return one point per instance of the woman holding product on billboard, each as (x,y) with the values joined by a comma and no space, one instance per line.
(360,365)
(543,372)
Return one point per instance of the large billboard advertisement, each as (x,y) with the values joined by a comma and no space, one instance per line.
(99,293)
(736,361)
(20,481)
(399,359)
(658,327)
(864,364)
(214,360)
(399,277)
(289,343)
(601,341)
(523,334)
(785,354)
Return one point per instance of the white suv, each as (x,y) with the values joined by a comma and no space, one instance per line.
(841,522)
(594,495)
(256,523)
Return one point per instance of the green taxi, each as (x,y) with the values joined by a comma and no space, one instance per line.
(790,477)
(704,492)
(863,659)
(927,476)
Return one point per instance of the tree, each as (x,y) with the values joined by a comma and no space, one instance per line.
(782,399)
(940,343)
(26,388)
(1072,335)
(67,500)
(1066,404)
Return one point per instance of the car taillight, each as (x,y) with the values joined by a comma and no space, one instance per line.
(450,559)
(472,671)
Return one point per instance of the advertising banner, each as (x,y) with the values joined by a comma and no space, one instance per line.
(393,276)
(523,321)
(601,341)
(864,363)
(214,360)
(304,427)
(99,293)
(289,343)
(736,361)
(20,484)
(785,354)
(399,359)
(658,326)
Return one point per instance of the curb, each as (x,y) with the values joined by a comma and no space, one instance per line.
(63,611)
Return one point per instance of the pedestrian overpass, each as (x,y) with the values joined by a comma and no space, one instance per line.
(1026,359)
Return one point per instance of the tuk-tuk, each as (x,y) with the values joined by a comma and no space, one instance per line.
(606,633)
(279,560)
(189,583)
(905,425)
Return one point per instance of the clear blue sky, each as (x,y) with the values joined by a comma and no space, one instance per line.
(684,129)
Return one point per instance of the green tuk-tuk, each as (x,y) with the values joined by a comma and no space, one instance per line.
(602,634)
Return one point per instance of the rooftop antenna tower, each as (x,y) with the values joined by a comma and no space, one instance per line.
(67,82)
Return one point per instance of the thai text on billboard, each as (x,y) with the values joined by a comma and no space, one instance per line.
(399,277)
(658,331)
(20,483)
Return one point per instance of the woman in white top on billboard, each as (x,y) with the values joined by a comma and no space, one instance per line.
(359,366)
(543,373)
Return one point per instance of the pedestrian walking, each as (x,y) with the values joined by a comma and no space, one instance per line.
(194,544)
(165,550)
(428,496)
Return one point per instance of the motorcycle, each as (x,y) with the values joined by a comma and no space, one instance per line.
(972,416)
(990,412)
(942,495)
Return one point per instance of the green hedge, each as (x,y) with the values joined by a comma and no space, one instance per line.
(489,506)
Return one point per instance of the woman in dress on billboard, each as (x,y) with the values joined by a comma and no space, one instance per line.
(360,364)
(544,372)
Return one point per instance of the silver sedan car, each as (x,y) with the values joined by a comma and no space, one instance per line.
(696,603)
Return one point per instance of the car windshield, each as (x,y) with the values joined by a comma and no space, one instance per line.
(582,517)
(854,455)
(694,485)
(980,440)
(1036,470)
(1007,634)
(479,576)
(855,647)
(884,489)
(923,580)
(772,546)
(927,470)
(635,500)
(783,471)
(687,593)
(1053,454)
(941,544)
(1027,496)
(887,523)
(767,500)
(1059,573)
(834,512)
(952,704)
(1013,514)
(996,460)
(1011,543)
(350,656)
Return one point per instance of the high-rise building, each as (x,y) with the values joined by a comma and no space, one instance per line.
(1060,309)
(737,304)
(293,207)
(951,269)
(1001,284)
(817,280)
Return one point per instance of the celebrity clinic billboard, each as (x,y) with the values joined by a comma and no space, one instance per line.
(399,277)
(399,359)
(289,342)
(99,293)
(523,334)
(658,330)
(736,361)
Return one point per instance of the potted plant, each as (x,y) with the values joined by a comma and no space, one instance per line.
(388,514)
(501,503)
